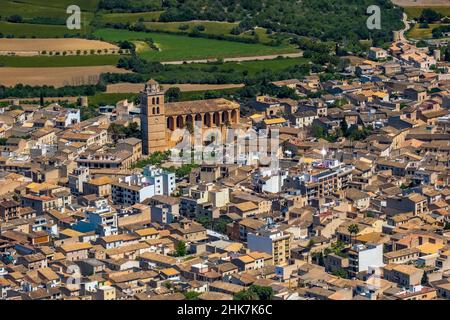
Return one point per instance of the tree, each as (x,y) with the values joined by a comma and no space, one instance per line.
(255,292)
(421,44)
(191,295)
(180,249)
(353,229)
(318,132)
(341,273)
(263,292)
(246,295)
(173,94)
(424,279)
(317,257)
(41,99)
(15,19)
(430,16)
(344,127)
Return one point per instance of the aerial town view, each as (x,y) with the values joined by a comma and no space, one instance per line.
(224,150)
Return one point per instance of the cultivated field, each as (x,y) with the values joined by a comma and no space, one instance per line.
(72,44)
(129,17)
(137,87)
(422,33)
(177,47)
(30,30)
(57,77)
(415,12)
(253,67)
(211,27)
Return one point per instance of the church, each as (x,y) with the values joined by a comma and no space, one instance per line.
(160,119)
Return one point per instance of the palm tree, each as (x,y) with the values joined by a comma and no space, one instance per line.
(353,229)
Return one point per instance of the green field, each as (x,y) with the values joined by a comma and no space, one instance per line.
(253,67)
(26,30)
(61,61)
(129,17)
(177,47)
(211,27)
(26,10)
(418,33)
(415,12)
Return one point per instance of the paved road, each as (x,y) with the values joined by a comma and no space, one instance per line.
(406,28)
(240,59)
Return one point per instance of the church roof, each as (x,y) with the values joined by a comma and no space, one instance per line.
(199,106)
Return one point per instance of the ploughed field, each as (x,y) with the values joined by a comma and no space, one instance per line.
(39,45)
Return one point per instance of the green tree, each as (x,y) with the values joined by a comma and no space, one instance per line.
(246,295)
(424,279)
(263,292)
(344,127)
(255,292)
(318,132)
(353,229)
(180,249)
(191,295)
(173,94)
(341,273)
(430,16)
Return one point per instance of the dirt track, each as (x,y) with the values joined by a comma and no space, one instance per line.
(57,77)
(240,59)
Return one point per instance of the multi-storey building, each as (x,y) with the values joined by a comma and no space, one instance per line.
(273,242)
(362,257)
(325,178)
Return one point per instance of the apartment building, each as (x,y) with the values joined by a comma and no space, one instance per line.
(274,242)
(325,178)
(361,257)
(163,181)
(101,219)
(205,199)
(138,187)
(414,202)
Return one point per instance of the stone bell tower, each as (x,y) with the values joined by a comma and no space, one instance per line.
(153,119)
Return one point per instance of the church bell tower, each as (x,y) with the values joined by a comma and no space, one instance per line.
(153,119)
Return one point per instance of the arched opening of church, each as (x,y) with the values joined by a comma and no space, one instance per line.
(225,117)
(198,118)
(216,118)
(180,122)
(207,120)
(234,116)
(170,123)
